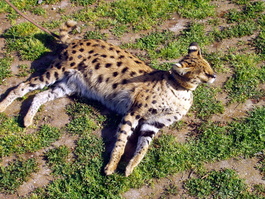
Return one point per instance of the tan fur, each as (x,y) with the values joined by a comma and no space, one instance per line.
(148,99)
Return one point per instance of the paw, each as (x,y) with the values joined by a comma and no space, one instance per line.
(128,171)
(109,169)
(28,121)
(2,107)
(130,167)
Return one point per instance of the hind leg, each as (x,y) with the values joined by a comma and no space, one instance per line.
(60,90)
(147,133)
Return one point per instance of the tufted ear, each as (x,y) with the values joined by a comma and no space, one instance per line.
(180,69)
(194,49)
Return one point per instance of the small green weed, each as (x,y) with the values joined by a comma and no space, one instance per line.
(95,35)
(13,175)
(241,29)
(5,68)
(27,40)
(205,102)
(218,184)
(251,10)
(85,119)
(169,190)
(14,139)
(83,2)
(39,11)
(259,43)
(247,76)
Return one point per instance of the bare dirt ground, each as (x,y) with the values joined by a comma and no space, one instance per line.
(54,114)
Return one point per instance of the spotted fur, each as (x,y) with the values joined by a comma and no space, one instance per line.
(146,98)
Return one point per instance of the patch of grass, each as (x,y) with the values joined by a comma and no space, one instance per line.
(95,35)
(39,11)
(27,40)
(5,68)
(14,139)
(252,10)
(17,172)
(83,2)
(85,119)
(169,190)
(217,184)
(259,43)
(246,78)
(196,9)
(166,45)
(205,102)
(241,29)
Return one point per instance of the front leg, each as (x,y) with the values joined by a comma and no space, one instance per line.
(125,130)
(147,133)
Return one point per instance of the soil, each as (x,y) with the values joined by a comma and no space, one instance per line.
(54,114)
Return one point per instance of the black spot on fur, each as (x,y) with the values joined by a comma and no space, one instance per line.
(48,75)
(154,102)
(141,71)
(88,43)
(41,78)
(127,122)
(152,110)
(118,51)
(103,46)
(111,48)
(100,79)
(58,65)
(71,58)
(32,85)
(132,113)
(96,54)
(72,64)
(114,86)
(158,125)
(119,63)
(91,51)
(132,73)
(108,65)
(97,66)
(94,60)
(124,81)
(95,45)
(121,56)
(112,57)
(104,56)
(56,75)
(74,51)
(124,70)
(81,50)
(137,117)
(137,62)
(79,56)
(115,74)
(147,133)
(107,80)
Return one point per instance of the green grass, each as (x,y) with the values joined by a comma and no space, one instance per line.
(27,40)
(246,78)
(205,103)
(218,184)
(15,173)
(5,68)
(14,139)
